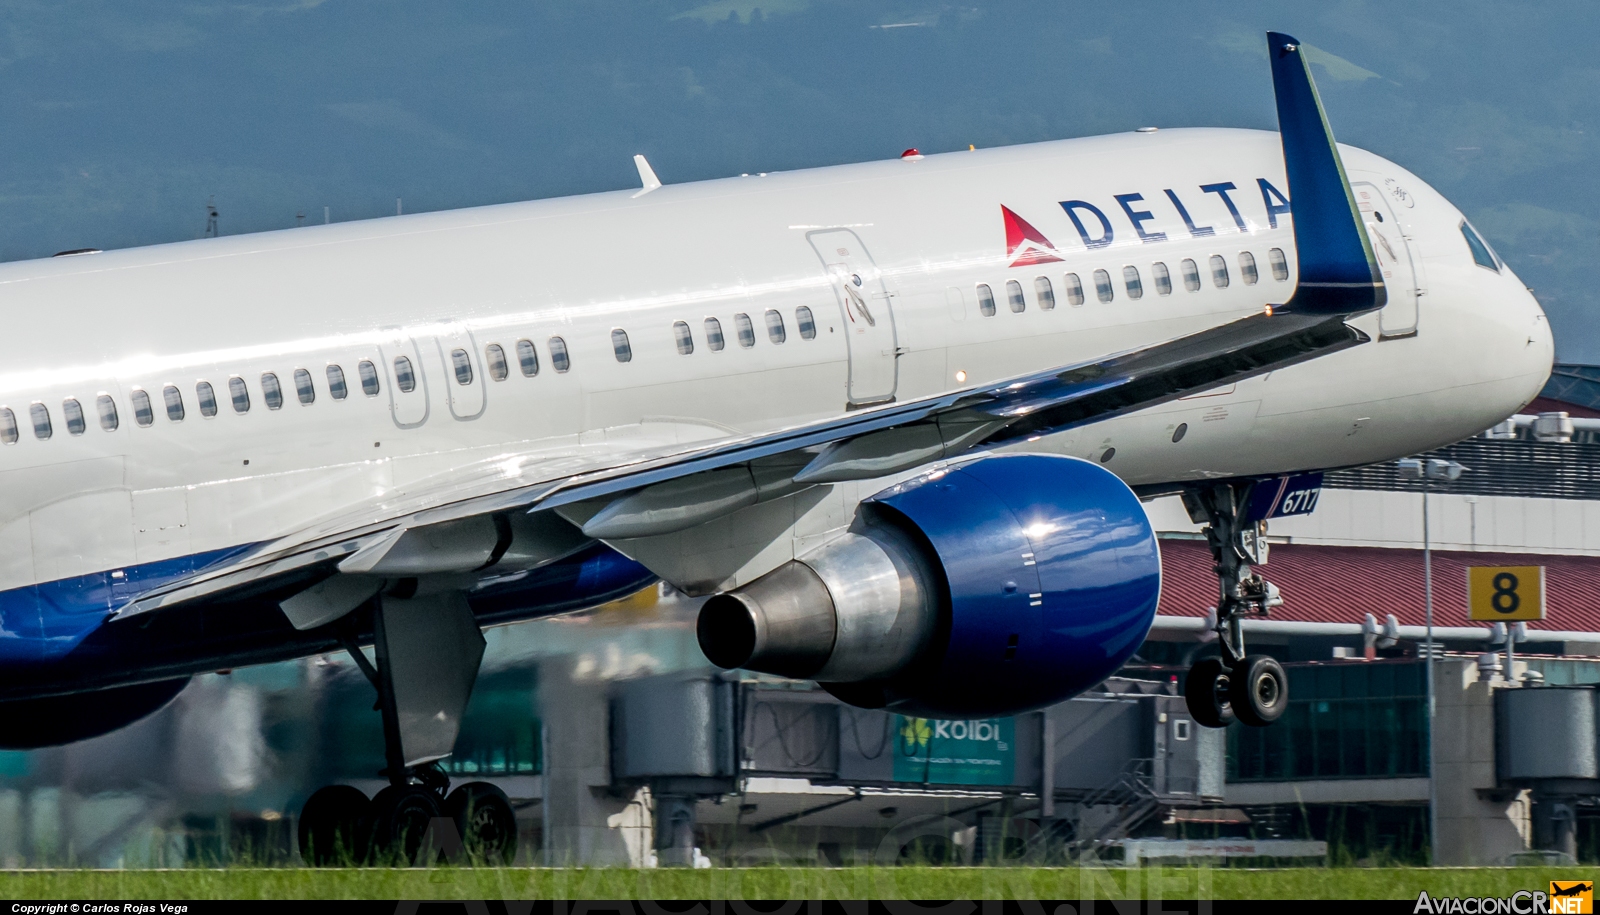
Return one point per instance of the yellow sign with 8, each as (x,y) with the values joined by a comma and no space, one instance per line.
(1505,593)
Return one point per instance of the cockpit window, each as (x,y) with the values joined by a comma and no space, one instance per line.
(1481,255)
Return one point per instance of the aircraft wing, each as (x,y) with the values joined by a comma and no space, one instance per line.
(644,487)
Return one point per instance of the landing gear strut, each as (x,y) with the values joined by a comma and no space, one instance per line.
(340,826)
(1251,689)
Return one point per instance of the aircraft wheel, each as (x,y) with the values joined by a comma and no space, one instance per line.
(1207,694)
(329,824)
(397,824)
(488,826)
(1259,690)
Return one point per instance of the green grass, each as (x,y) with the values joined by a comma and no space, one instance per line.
(778,883)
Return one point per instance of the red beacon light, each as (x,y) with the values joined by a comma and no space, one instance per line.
(911,155)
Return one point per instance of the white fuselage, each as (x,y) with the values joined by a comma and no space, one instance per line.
(928,231)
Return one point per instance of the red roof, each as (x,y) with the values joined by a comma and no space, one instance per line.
(1551,405)
(1337,584)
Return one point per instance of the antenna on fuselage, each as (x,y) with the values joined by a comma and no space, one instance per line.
(647,176)
(211,216)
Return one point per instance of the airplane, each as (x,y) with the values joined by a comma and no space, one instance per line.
(894,419)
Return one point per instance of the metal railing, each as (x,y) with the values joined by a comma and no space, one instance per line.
(1509,467)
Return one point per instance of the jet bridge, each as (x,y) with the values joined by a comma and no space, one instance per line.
(736,763)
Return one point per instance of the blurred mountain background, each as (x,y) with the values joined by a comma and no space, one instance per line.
(119,121)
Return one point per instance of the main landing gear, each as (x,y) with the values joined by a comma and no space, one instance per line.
(339,826)
(428,650)
(1251,689)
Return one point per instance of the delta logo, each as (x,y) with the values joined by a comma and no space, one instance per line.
(1024,244)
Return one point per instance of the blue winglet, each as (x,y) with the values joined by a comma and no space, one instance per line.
(1338,272)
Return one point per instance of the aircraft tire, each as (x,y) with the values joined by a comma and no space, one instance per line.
(487,823)
(1206,691)
(329,825)
(397,824)
(1259,690)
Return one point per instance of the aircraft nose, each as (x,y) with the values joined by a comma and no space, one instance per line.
(1533,350)
(1541,342)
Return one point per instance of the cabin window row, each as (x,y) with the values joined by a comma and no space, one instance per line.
(175,407)
(1132,282)
(206,399)
(743,327)
(498,362)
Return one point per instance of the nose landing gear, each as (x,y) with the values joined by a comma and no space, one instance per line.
(1207,694)
(1251,689)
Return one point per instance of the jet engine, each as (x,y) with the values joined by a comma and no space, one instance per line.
(988,588)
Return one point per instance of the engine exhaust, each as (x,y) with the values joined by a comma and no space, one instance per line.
(860,608)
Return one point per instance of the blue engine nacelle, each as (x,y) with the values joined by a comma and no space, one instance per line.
(989,588)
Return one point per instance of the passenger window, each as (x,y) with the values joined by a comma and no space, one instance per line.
(1074,289)
(461,364)
(8,426)
(40,414)
(73,411)
(620,345)
(775,330)
(746,330)
(1219,271)
(1014,298)
(986,300)
(494,356)
(808,324)
(369,377)
(1481,255)
(404,376)
(239,394)
(1247,268)
(142,413)
(207,398)
(1044,293)
(272,391)
(302,386)
(1163,278)
(337,389)
(714,335)
(1191,275)
(558,354)
(1102,286)
(173,398)
(1280,264)
(527,358)
(683,337)
(1130,279)
(108,412)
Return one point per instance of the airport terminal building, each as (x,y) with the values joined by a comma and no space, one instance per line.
(620,745)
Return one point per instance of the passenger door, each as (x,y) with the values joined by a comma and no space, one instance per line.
(464,381)
(408,382)
(864,301)
(1398,318)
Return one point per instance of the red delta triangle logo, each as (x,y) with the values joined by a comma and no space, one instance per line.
(1025,244)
